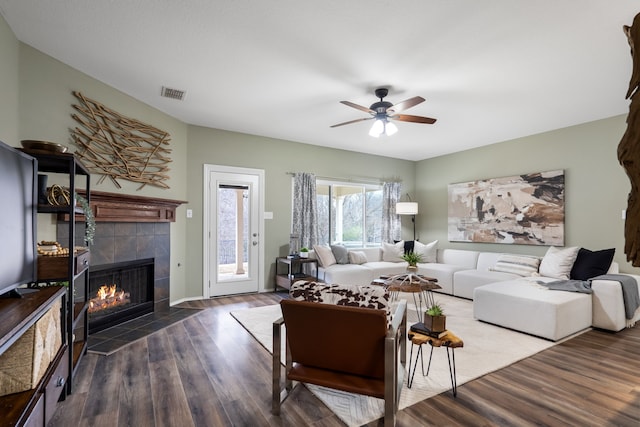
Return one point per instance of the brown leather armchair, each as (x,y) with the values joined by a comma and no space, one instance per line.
(341,347)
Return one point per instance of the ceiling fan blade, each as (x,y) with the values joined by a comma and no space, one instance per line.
(352,121)
(408,103)
(414,119)
(358,107)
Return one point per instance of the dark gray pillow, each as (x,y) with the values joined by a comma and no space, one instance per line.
(590,264)
(341,253)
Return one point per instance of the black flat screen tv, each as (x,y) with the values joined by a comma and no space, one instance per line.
(18,210)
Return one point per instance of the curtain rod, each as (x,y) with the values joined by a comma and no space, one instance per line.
(364,180)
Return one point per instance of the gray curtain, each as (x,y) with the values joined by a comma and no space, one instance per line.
(305,212)
(390,221)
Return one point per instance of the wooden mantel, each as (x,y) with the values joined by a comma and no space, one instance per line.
(113,207)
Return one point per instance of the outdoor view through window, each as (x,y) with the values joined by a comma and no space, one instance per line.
(350,214)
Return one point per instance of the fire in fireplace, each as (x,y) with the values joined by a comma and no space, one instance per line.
(108,296)
(120,292)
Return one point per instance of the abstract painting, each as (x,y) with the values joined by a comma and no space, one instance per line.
(522,209)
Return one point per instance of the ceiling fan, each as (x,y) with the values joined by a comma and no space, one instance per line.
(384,111)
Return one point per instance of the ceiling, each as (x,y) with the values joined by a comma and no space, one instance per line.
(490,70)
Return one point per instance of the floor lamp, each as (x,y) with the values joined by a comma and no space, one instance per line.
(408,208)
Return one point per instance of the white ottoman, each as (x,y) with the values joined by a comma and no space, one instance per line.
(528,307)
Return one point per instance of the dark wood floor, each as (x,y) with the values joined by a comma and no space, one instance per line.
(208,371)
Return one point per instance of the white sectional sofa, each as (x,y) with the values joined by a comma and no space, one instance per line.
(360,274)
(499,297)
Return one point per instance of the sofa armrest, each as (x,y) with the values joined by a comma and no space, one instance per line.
(608,304)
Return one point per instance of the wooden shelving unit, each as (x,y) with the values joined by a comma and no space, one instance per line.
(73,269)
(17,315)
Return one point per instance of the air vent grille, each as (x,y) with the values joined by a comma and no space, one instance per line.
(168,92)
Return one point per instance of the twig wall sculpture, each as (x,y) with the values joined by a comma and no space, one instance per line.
(120,147)
(629,150)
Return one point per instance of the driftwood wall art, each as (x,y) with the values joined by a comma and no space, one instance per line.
(629,150)
(118,147)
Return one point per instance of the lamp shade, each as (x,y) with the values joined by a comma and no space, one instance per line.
(406,208)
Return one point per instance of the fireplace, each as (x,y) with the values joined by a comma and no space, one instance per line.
(119,292)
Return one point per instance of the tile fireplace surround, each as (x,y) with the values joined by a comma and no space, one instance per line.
(131,228)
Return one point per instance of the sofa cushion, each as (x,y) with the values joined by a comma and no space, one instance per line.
(590,264)
(379,268)
(340,253)
(426,251)
(325,255)
(441,272)
(557,263)
(347,274)
(517,264)
(466,281)
(357,257)
(459,257)
(528,307)
(392,252)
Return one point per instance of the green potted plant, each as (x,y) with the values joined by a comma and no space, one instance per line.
(304,252)
(413,259)
(435,319)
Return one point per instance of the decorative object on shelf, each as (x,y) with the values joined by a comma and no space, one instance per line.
(523,209)
(42,147)
(294,245)
(42,189)
(304,252)
(413,259)
(628,149)
(435,319)
(408,208)
(59,196)
(119,147)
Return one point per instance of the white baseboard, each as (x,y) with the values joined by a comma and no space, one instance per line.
(171,304)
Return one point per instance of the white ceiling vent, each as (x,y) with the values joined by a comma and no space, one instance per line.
(167,92)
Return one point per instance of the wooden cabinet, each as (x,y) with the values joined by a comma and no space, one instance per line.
(17,315)
(72,269)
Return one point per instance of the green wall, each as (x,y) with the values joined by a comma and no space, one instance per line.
(9,49)
(276,158)
(596,186)
(44,110)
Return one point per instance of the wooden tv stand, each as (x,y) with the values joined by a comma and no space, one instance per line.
(36,406)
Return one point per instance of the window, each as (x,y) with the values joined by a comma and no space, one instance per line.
(349,213)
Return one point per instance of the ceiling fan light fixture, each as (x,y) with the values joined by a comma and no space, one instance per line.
(377,129)
(382,127)
(390,128)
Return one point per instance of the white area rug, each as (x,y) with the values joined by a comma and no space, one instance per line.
(486,349)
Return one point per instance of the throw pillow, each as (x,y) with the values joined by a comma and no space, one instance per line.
(590,264)
(325,255)
(340,253)
(393,252)
(408,245)
(517,264)
(557,263)
(427,252)
(357,257)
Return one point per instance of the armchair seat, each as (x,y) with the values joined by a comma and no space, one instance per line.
(338,380)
